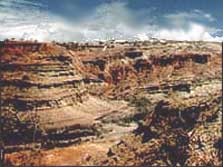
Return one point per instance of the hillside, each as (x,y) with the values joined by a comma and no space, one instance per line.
(113,103)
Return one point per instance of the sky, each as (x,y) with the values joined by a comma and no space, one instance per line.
(90,20)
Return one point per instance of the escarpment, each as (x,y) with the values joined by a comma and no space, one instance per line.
(183,90)
(34,83)
(112,103)
(44,98)
(175,132)
(141,65)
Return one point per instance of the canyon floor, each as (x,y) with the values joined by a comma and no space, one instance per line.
(144,103)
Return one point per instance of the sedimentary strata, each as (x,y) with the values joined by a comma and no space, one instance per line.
(137,103)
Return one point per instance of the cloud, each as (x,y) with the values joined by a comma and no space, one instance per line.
(193,25)
(109,21)
(22,19)
(114,20)
(194,32)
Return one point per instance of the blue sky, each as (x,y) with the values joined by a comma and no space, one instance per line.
(88,20)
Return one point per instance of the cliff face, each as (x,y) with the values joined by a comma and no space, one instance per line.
(44,97)
(38,87)
(182,84)
(184,129)
(151,65)
(164,98)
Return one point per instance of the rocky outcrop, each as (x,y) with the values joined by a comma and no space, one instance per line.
(185,102)
(137,65)
(175,133)
(34,83)
(137,103)
(44,97)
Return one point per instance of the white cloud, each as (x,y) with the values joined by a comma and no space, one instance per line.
(22,19)
(193,25)
(108,21)
(113,21)
(194,32)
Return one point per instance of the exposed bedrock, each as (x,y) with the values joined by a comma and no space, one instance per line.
(156,67)
(33,83)
(131,103)
(176,132)
(43,98)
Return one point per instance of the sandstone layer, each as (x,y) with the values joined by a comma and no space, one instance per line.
(130,103)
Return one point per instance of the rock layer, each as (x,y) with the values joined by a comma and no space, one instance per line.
(142,103)
(44,97)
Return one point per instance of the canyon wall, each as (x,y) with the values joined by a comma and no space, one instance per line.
(138,103)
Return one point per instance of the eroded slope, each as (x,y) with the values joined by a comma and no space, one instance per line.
(164,97)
